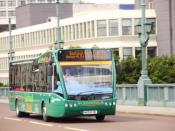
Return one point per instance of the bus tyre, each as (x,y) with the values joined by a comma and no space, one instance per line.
(18,113)
(45,117)
(100,118)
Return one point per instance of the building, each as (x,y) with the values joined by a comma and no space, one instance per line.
(105,29)
(8,9)
(165,10)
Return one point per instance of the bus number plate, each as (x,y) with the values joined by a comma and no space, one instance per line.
(91,112)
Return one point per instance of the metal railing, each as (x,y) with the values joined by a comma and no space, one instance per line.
(4,92)
(127,94)
(160,95)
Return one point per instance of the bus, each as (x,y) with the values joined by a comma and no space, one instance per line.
(64,83)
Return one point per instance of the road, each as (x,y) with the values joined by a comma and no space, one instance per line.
(120,122)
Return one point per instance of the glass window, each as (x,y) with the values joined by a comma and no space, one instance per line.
(138,51)
(151,51)
(85,28)
(136,22)
(126,27)
(12,3)
(51,1)
(2,4)
(127,52)
(93,32)
(2,13)
(153,20)
(32,1)
(11,13)
(113,27)
(41,1)
(101,28)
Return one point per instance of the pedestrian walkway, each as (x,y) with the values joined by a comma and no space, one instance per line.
(146,110)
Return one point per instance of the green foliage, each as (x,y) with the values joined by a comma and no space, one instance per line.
(161,70)
(1,84)
(128,71)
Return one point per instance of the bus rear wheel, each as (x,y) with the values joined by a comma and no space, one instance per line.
(44,109)
(100,118)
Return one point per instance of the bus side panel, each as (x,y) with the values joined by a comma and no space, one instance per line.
(11,101)
(55,106)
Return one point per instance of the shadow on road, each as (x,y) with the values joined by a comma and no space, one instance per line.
(91,119)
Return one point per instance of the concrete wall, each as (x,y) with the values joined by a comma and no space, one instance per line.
(165,26)
(33,14)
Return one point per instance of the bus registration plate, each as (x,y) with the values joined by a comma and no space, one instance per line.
(90,112)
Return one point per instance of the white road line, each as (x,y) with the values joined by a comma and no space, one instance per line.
(38,123)
(75,129)
(14,119)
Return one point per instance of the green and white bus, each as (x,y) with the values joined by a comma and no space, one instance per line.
(64,83)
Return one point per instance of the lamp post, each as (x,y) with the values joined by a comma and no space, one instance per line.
(143,30)
(10,52)
(58,32)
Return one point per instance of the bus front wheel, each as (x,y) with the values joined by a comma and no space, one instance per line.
(100,118)
(18,112)
(44,109)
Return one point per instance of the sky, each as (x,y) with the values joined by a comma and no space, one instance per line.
(110,1)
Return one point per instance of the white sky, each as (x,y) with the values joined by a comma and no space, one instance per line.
(109,1)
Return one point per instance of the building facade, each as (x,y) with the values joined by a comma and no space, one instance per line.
(8,9)
(165,10)
(108,29)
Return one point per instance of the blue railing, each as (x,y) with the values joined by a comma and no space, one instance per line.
(127,94)
(155,95)
(160,95)
(4,92)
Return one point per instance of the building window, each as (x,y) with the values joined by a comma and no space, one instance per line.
(32,1)
(127,52)
(153,20)
(151,51)
(22,3)
(113,27)
(2,4)
(93,32)
(101,28)
(51,1)
(136,22)
(2,13)
(138,51)
(11,13)
(126,27)
(41,1)
(12,3)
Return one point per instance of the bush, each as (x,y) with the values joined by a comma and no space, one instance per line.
(1,84)
(160,69)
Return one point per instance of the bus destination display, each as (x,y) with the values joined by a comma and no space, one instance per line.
(85,55)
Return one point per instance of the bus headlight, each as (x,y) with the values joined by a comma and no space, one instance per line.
(106,103)
(75,105)
(66,105)
(114,103)
(70,105)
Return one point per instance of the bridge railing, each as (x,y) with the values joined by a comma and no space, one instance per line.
(160,95)
(127,94)
(4,92)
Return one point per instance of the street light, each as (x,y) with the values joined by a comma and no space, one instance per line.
(143,29)
(58,32)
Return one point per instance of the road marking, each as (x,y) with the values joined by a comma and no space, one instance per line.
(14,119)
(38,123)
(75,129)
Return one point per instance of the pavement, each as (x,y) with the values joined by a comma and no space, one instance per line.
(165,111)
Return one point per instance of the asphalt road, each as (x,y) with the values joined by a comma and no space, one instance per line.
(120,122)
